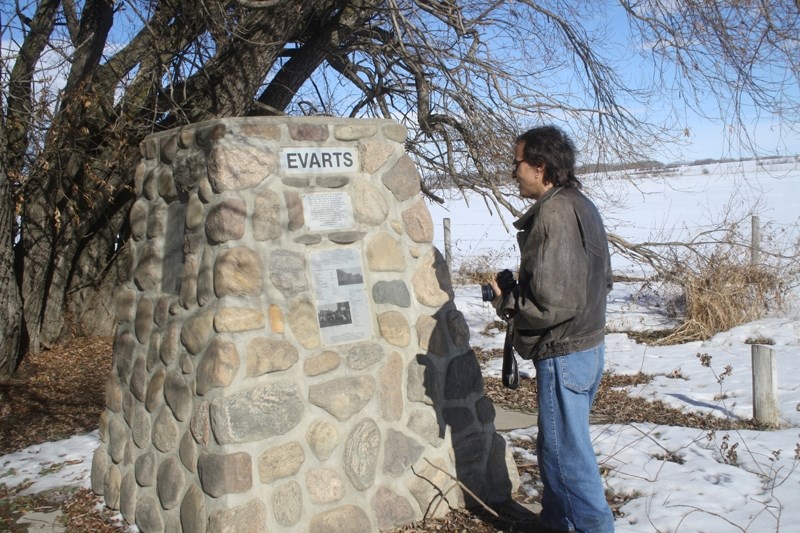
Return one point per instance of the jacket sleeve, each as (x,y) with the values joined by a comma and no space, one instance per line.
(555,267)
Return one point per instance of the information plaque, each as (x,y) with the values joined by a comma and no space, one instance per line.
(341,297)
(328,211)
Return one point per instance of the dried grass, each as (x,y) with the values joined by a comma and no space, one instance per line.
(478,269)
(469,275)
(721,294)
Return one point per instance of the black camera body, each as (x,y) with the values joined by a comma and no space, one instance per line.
(508,288)
(506,282)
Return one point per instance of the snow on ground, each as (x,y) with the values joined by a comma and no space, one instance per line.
(712,482)
(679,479)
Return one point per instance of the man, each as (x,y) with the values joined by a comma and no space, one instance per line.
(559,323)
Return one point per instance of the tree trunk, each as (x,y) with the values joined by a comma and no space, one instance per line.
(14,142)
(39,243)
(103,264)
(53,322)
(92,308)
(11,330)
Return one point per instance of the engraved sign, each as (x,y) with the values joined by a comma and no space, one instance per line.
(328,210)
(319,160)
(342,305)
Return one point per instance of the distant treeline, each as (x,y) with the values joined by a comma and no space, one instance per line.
(649,165)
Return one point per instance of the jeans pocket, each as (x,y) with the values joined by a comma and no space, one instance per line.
(579,370)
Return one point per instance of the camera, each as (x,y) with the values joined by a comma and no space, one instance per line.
(506,282)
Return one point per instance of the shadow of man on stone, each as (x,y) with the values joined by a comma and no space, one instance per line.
(449,379)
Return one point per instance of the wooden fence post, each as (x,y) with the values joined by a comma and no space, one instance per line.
(765,384)
(447,255)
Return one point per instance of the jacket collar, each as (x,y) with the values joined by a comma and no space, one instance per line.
(523,221)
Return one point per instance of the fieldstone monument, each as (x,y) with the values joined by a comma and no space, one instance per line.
(288,355)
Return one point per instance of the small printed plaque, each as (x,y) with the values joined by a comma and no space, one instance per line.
(319,160)
(328,211)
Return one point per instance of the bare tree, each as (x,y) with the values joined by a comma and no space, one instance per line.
(84,82)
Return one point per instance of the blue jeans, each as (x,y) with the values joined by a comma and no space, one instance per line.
(573,498)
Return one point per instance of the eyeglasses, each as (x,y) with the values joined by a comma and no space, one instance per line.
(517,163)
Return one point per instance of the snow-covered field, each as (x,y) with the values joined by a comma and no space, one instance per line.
(714,482)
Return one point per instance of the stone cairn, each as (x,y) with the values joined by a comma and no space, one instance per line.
(241,397)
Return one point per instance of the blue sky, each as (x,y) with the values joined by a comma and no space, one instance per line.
(708,139)
(717,138)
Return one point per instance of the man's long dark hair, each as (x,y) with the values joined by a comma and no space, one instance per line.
(549,146)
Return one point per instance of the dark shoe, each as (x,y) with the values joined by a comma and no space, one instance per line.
(514,517)
(536,526)
(521,519)
(541,528)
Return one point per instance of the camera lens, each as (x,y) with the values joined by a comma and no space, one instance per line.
(487,293)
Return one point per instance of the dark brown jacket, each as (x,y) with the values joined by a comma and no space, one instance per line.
(564,276)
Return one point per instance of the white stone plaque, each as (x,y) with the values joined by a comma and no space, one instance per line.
(328,210)
(313,160)
(341,297)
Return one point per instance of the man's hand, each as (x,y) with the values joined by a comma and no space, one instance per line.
(497,293)
(504,304)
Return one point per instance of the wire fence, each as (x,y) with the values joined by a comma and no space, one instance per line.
(491,246)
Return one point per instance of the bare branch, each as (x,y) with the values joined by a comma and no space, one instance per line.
(20,108)
(260,4)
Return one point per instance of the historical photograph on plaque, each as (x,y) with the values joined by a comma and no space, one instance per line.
(337,314)
(341,297)
(349,276)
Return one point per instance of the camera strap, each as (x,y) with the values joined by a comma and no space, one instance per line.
(510,371)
